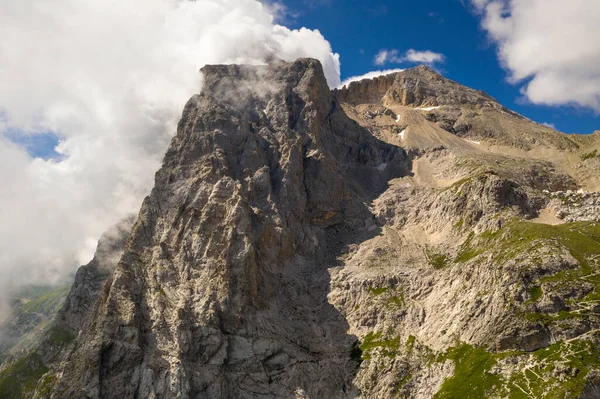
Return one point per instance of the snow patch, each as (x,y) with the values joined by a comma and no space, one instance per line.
(474,142)
(402,134)
(381,167)
(428,108)
(397,118)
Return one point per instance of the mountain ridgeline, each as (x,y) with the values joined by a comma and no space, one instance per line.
(401,237)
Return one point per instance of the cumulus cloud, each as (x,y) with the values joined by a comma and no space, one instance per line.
(369,75)
(385,56)
(421,57)
(109,78)
(424,57)
(551,46)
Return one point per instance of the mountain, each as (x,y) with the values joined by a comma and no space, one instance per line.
(403,236)
(46,320)
(32,311)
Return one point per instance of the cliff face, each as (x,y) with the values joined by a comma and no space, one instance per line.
(417,87)
(222,291)
(402,237)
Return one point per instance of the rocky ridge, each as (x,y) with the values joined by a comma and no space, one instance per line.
(404,236)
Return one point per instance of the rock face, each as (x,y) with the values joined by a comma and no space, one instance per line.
(222,290)
(78,309)
(401,237)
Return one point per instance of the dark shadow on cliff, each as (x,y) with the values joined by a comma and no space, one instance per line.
(358,157)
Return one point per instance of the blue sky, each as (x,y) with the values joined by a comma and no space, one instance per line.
(358,30)
(40,145)
(551,46)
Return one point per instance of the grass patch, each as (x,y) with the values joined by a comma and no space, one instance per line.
(436,260)
(390,296)
(543,380)
(47,386)
(397,301)
(589,155)
(459,183)
(581,239)
(535,293)
(33,310)
(546,318)
(374,341)
(378,291)
(525,239)
(471,379)
(20,379)
(468,250)
(556,372)
(59,336)
(46,303)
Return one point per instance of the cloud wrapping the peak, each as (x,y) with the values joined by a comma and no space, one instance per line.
(419,57)
(369,75)
(109,78)
(552,45)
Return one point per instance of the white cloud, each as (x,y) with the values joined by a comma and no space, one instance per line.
(550,125)
(552,45)
(422,57)
(385,56)
(369,75)
(110,78)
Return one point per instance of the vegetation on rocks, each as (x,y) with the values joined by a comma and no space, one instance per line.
(20,379)
(33,311)
(472,378)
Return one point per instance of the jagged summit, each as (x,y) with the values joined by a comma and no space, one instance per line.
(420,86)
(402,237)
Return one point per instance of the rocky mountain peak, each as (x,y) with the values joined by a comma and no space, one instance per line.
(263,82)
(420,86)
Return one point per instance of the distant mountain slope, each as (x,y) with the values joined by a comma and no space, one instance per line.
(46,319)
(33,310)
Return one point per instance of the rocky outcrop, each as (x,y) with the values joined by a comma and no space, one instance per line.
(575,206)
(78,309)
(366,91)
(416,87)
(423,87)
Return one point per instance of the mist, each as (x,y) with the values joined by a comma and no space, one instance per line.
(109,78)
